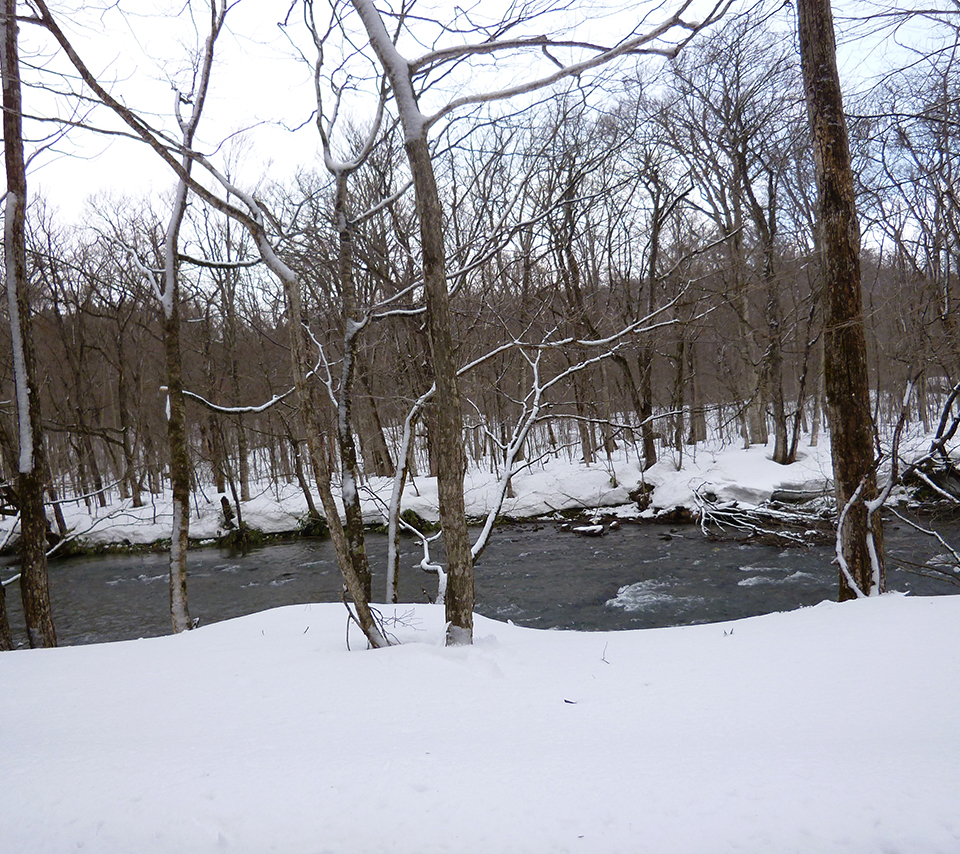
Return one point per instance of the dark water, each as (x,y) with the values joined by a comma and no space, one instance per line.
(535,575)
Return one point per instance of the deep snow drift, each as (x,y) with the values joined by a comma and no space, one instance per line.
(828,729)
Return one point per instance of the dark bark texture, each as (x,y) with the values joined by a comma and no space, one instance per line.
(845,369)
(451,456)
(34,584)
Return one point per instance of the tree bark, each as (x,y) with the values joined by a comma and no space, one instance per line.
(845,356)
(448,438)
(354,324)
(6,639)
(179,464)
(451,459)
(34,583)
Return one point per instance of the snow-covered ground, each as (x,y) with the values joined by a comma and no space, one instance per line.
(730,473)
(829,729)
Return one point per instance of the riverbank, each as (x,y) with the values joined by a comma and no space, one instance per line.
(556,485)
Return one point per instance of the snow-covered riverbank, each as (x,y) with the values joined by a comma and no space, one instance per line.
(554,484)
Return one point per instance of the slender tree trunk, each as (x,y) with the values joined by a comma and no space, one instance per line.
(698,414)
(34,583)
(451,457)
(299,472)
(243,461)
(588,446)
(311,408)
(679,394)
(376,441)
(847,388)
(126,435)
(354,324)
(773,364)
(645,366)
(179,468)
(6,639)
(91,456)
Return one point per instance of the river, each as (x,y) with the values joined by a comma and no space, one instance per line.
(638,576)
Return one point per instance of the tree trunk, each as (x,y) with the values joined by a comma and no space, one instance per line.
(645,366)
(451,459)
(126,433)
(679,396)
(354,324)
(312,511)
(34,583)
(845,357)
(698,414)
(179,469)
(6,639)
(310,408)
(377,452)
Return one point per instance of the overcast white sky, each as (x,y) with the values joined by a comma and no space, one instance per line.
(258,84)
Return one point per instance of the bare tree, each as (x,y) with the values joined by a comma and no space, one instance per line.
(407,78)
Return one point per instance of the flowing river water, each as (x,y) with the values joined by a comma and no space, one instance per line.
(534,574)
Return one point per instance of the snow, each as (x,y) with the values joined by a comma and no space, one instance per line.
(547,486)
(829,729)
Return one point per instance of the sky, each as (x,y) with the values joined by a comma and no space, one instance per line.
(262,94)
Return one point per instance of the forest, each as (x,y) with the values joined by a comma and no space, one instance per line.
(631,255)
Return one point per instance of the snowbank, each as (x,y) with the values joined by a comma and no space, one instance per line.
(829,729)
(556,484)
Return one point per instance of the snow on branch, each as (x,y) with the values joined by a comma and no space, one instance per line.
(218,265)
(840,559)
(643,43)
(238,410)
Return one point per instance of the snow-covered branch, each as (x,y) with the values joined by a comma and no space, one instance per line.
(644,43)
(238,410)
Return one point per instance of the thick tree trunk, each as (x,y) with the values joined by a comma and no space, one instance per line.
(845,368)
(451,458)
(34,583)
